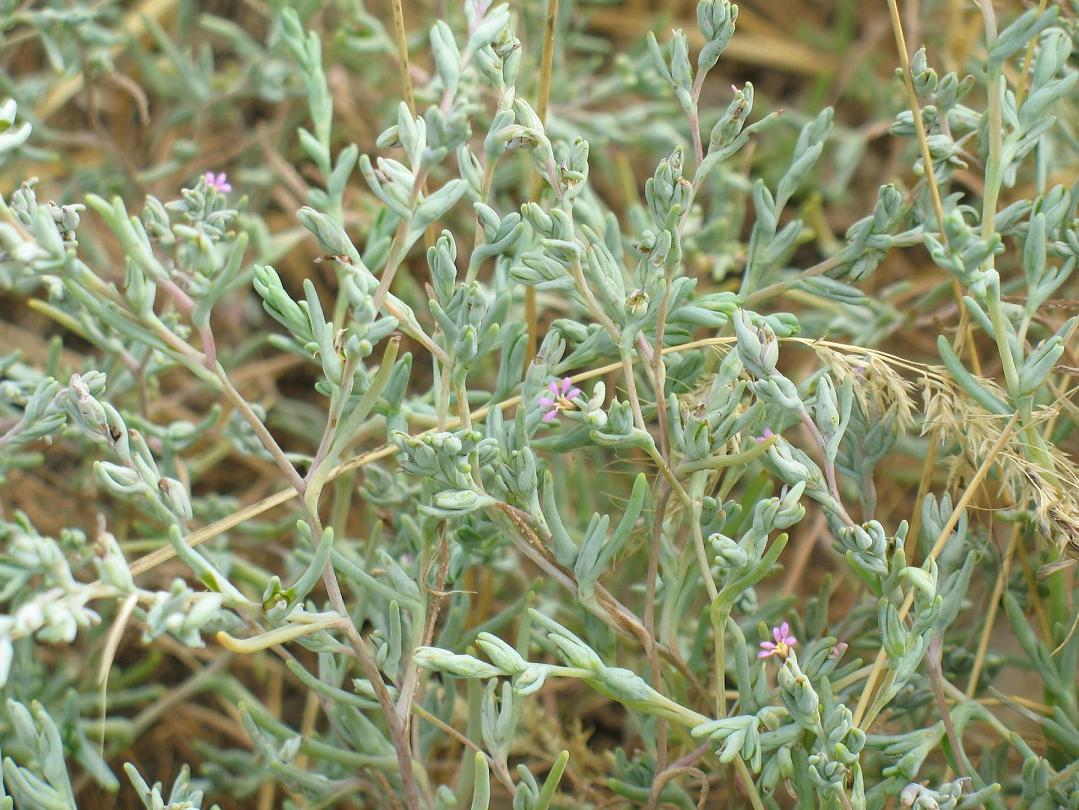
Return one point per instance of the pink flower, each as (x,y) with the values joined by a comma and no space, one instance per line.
(838,650)
(764,436)
(218,182)
(560,398)
(782,645)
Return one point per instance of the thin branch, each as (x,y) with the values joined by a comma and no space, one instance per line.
(860,717)
(546,69)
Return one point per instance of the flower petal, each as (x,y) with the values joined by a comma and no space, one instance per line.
(550,415)
(546,402)
(764,654)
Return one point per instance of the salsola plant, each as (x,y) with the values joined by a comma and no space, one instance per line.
(540,453)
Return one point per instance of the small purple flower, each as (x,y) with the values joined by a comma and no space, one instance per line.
(839,648)
(560,398)
(782,645)
(764,436)
(218,182)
